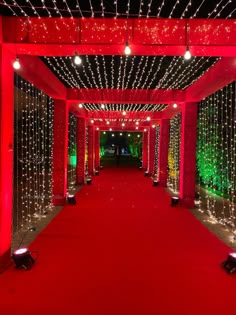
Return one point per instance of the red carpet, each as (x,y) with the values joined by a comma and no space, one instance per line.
(122,250)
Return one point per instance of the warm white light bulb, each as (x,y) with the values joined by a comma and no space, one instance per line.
(77,59)
(175,105)
(148,118)
(102,106)
(92,121)
(187,54)
(16,64)
(127,49)
(124,113)
(80,105)
(129,135)
(108,122)
(123,124)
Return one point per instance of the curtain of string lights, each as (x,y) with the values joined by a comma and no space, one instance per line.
(174,153)
(157,141)
(33,141)
(86,152)
(216,156)
(72,152)
(117,8)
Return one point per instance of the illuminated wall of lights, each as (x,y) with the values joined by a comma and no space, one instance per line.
(86,151)
(33,141)
(157,141)
(71,178)
(216,155)
(174,154)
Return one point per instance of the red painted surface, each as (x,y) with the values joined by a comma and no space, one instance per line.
(60,152)
(106,36)
(35,71)
(152,139)
(138,96)
(91,151)
(218,76)
(188,154)
(97,149)
(163,151)
(6,157)
(81,148)
(145,151)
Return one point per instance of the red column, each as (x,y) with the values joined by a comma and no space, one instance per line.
(188,154)
(90,150)
(60,152)
(81,147)
(6,157)
(152,139)
(97,149)
(145,151)
(163,152)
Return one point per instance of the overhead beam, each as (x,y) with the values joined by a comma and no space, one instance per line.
(125,96)
(36,72)
(97,36)
(218,76)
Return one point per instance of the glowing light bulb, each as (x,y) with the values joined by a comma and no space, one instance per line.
(127,49)
(92,121)
(16,64)
(102,106)
(148,118)
(77,59)
(80,105)
(124,113)
(175,105)
(187,54)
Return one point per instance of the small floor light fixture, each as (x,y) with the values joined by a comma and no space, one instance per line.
(23,259)
(146,173)
(71,199)
(89,180)
(230,263)
(155,181)
(96,172)
(101,167)
(174,201)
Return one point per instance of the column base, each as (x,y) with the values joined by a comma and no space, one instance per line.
(5,260)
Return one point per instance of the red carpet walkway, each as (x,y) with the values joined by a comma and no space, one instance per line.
(122,250)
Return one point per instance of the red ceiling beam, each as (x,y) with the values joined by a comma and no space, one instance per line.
(125,96)
(62,36)
(218,76)
(35,71)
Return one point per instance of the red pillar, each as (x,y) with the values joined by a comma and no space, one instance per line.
(91,150)
(145,151)
(163,152)
(97,149)
(152,139)
(6,157)
(60,152)
(188,154)
(81,148)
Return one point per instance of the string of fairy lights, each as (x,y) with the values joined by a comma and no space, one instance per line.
(124,107)
(72,152)
(216,156)
(118,8)
(157,142)
(174,153)
(133,72)
(33,141)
